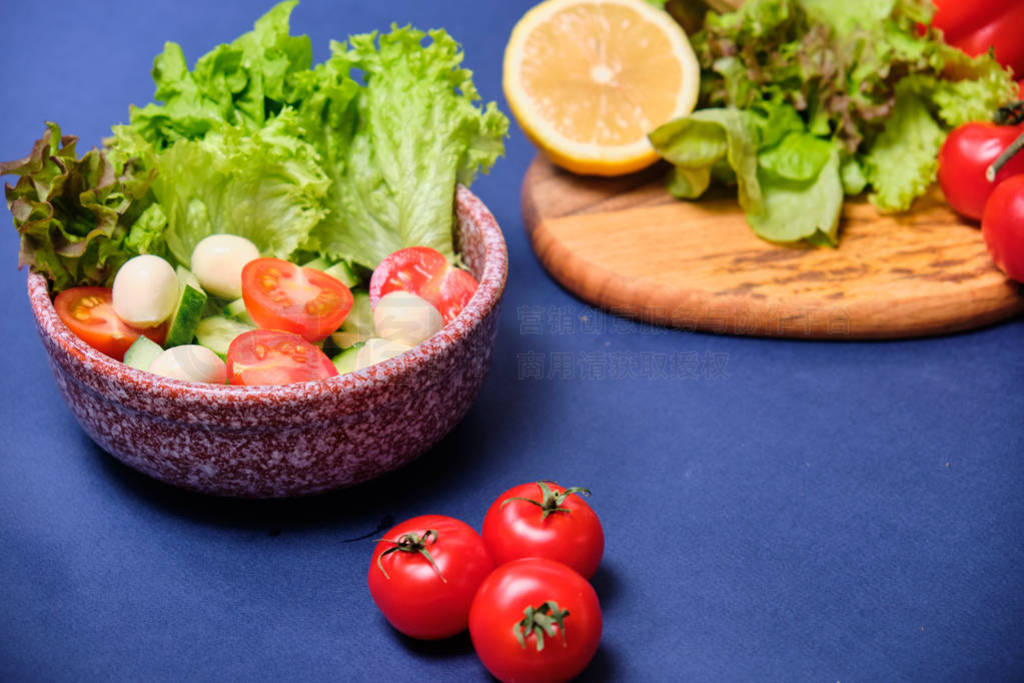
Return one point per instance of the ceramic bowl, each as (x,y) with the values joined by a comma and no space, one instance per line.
(297,439)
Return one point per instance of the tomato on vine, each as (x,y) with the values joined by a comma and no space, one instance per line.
(1002,226)
(535,620)
(543,519)
(424,573)
(965,158)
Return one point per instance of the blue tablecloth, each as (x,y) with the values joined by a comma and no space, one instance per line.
(774,510)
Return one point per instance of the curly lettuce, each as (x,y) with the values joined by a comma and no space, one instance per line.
(416,131)
(75,215)
(350,159)
(845,97)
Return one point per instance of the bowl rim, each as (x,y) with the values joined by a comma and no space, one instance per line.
(484,300)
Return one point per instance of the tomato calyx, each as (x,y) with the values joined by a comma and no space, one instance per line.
(541,621)
(552,502)
(1010,115)
(412,543)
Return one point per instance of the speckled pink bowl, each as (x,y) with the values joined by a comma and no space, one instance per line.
(278,441)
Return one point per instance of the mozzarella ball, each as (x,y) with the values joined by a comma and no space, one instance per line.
(378,350)
(404,317)
(217,262)
(192,363)
(145,291)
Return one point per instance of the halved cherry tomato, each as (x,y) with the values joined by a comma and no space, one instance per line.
(543,519)
(963,159)
(275,357)
(283,296)
(424,272)
(535,620)
(424,574)
(1002,226)
(89,313)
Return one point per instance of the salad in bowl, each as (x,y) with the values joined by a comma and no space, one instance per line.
(273,280)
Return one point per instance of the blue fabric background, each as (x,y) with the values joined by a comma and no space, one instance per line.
(774,510)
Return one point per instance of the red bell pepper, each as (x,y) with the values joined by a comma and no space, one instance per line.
(976,25)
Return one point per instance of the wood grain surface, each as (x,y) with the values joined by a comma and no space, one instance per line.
(625,245)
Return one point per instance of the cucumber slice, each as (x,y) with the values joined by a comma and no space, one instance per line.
(236,311)
(141,353)
(187,277)
(217,332)
(191,303)
(318,263)
(341,271)
(346,360)
(358,325)
(187,314)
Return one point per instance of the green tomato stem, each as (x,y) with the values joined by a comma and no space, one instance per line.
(1004,158)
(411,543)
(551,502)
(541,621)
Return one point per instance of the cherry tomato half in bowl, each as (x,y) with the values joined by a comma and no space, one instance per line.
(89,313)
(262,357)
(424,574)
(543,519)
(965,156)
(535,620)
(283,296)
(426,273)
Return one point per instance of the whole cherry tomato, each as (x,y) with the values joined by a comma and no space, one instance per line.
(283,296)
(535,620)
(89,313)
(966,155)
(975,26)
(424,573)
(1002,226)
(426,273)
(543,519)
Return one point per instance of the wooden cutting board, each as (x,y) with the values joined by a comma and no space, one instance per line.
(625,245)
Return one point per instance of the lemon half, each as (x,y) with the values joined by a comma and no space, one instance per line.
(589,79)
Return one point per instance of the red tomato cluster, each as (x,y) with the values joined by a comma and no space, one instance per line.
(981,172)
(978,171)
(521,588)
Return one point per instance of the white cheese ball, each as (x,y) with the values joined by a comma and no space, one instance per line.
(404,317)
(192,363)
(217,262)
(378,350)
(145,291)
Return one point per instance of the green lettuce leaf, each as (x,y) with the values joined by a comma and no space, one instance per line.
(696,143)
(72,213)
(799,156)
(265,185)
(796,210)
(240,83)
(416,132)
(903,161)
